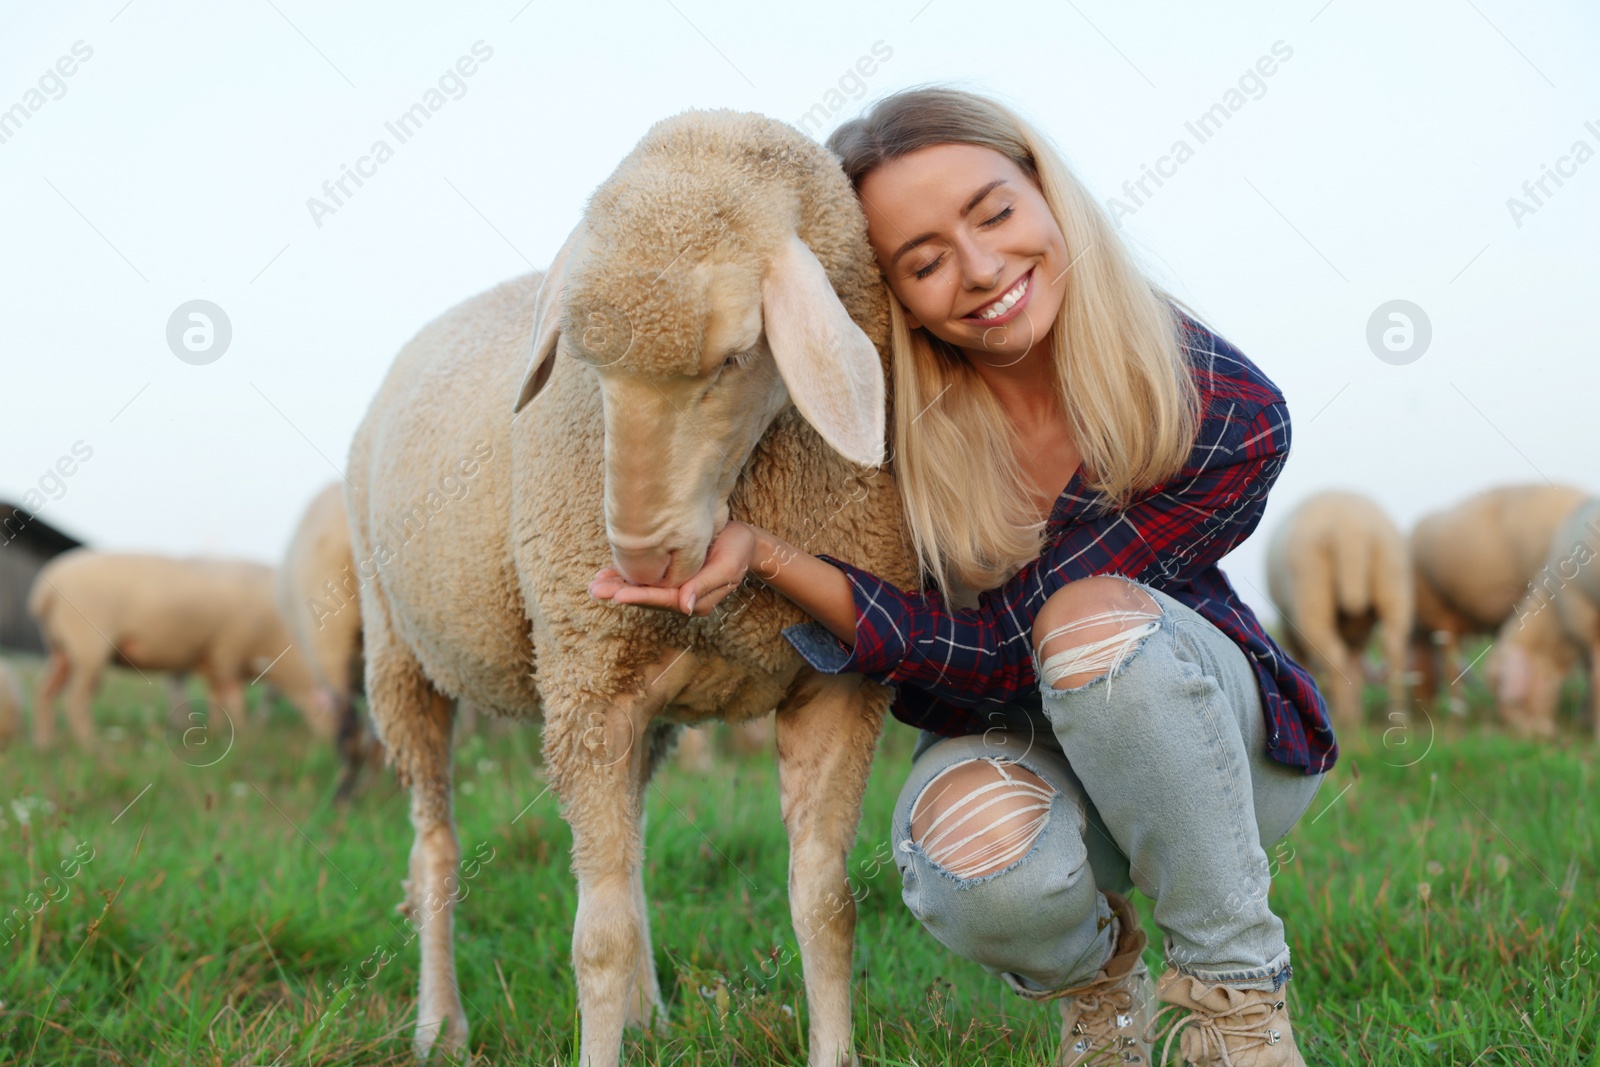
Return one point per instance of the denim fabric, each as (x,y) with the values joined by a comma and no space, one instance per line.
(1162,781)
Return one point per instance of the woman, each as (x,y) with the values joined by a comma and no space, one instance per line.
(1107,713)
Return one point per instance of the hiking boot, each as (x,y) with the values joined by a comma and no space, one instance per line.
(1224,1026)
(1103,1021)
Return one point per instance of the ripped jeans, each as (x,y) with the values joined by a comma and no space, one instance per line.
(1154,773)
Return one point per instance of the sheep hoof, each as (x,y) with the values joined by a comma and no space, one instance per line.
(446,1036)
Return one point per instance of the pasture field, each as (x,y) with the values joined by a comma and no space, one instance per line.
(1440,899)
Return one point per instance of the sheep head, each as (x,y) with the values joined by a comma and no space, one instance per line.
(690,293)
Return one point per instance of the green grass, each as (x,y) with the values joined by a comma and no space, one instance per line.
(231,915)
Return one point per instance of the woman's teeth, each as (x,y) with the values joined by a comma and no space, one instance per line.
(1007,302)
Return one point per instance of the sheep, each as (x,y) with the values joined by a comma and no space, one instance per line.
(319,599)
(10,705)
(1336,567)
(725,247)
(1554,626)
(1472,563)
(215,617)
(695,743)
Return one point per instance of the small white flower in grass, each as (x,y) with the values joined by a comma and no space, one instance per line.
(239,789)
(487,766)
(116,733)
(1502,866)
(24,806)
(469,787)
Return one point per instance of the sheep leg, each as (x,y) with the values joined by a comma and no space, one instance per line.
(352,746)
(177,697)
(827,729)
(1396,648)
(1328,657)
(603,765)
(415,722)
(228,694)
(44,703)
(81,689)
(1449,645)
(432,891)
(645,1008)
(1594,686)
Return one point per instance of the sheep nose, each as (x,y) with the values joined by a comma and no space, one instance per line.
(643,566)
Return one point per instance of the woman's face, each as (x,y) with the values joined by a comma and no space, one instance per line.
(958,229)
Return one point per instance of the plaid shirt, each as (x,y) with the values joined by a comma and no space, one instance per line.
(959,663)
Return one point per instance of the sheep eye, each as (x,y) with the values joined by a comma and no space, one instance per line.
(735,360)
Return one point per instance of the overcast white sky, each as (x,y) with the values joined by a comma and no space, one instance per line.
(176,161)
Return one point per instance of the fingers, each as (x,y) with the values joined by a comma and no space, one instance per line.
(649,596)
(699,595)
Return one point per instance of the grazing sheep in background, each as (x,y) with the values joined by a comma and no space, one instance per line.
(696,743)
(1473,563)
(1336,567)
(1555,626)
(318,596)
(10,705)
(721,271)
(214,617)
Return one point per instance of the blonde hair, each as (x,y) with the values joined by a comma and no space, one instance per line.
(1123,381)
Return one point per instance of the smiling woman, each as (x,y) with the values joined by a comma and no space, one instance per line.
(1073,442)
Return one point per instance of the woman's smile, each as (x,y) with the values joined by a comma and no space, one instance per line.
(1017,295)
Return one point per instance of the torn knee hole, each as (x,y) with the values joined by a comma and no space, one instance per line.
(1116,632)
(980,816)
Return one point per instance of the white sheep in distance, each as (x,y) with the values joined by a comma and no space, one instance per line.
(1555,626)
(1336,568)
(213,617)
(319,598)
(1472,563)
(710,342)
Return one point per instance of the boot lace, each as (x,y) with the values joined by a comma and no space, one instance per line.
(1102,1016)
(1246,1022)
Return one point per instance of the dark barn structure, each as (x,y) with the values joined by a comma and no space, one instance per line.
(26,544)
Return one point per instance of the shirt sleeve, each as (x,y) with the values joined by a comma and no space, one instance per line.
(976,656)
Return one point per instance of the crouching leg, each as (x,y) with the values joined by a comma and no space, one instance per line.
(989,838)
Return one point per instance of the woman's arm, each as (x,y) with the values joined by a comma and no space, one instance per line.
(820,589)
(977,656)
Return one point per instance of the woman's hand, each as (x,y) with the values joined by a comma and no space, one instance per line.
(728,557)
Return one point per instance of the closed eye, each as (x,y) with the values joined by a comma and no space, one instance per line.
(931,267)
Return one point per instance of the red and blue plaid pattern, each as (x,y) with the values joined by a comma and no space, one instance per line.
(952,665)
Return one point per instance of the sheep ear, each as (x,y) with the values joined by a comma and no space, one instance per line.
(548,307)
(828,364)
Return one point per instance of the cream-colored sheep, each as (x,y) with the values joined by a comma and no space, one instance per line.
(695,751)
(1337,567)
(214,617)
(1555,626)
(10,705)
(1472,564)
(710,342)
(319,598)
